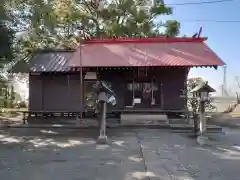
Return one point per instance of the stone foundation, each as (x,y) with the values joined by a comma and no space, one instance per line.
(144,119)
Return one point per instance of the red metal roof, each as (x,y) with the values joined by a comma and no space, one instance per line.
(135,52)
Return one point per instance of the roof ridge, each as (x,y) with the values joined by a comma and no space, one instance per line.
(48,50)
(145,40)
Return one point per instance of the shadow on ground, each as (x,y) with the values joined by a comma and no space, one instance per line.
(132,154)
(69,154)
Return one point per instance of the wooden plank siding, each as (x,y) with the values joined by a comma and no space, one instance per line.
(62,92)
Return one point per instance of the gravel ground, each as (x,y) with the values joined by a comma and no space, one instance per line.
(37,154)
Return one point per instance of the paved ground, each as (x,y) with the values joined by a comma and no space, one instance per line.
(34,154)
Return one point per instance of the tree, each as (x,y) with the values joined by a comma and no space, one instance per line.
(6,51)
(60,22)
(40,24)
(125,18)
(6,37)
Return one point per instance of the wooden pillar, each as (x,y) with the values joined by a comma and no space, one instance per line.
(42,76)
(153,101)
(68,84)
(68,90)
(133,92)
(81,84)
(162,95)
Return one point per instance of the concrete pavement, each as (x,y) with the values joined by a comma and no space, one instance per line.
(34,154)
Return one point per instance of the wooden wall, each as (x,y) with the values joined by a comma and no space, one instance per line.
(61,92)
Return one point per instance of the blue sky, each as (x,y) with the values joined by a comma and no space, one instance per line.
(223,38)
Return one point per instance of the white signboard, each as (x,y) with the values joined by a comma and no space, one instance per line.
(91,75)
(137,101)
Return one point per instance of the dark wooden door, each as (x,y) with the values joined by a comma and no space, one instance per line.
(144,93)
(128,98)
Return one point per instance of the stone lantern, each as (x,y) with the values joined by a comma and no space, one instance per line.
(201,92)
(103,93)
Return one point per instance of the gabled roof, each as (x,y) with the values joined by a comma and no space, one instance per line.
(137,52)
(48,60)
(125,52)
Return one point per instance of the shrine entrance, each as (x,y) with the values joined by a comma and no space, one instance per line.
(142,94)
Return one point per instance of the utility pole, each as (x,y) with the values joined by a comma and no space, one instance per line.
(238,83)
(225,80)
(222,89)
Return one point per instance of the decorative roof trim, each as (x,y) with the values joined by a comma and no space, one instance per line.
(144,40)
(52,50)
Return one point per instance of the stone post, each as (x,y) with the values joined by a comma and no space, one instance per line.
(102,139)
(201,117)
(202,140)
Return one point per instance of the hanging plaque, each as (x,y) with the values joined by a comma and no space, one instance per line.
(91,75)
(137,100)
